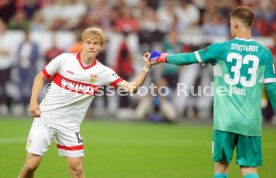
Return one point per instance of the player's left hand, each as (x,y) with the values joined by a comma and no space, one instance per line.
(146,58)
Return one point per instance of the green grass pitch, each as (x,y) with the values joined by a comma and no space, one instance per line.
(130,150)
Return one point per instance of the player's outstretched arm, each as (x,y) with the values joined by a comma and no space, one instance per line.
(34,109)
(139,80)
(177,59)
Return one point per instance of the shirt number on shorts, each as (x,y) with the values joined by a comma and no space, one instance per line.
(78,137)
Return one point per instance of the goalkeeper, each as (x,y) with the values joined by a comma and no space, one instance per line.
(241,67)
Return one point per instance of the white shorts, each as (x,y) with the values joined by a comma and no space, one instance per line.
(69,141)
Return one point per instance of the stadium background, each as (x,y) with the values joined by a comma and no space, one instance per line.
(121,142)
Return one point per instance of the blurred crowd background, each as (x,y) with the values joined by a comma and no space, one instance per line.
(33,32)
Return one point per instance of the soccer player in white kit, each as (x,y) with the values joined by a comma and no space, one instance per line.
(76,78)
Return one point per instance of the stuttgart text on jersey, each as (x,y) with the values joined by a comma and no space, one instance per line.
(249,48)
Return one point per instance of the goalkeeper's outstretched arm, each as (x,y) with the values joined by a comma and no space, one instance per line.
(183,58)
(177,59)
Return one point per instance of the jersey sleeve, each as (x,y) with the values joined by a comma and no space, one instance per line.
(209,54)
(182,59)
(269,75)
(53,67)
(111,77)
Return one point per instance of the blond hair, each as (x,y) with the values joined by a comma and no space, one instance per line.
(94,32)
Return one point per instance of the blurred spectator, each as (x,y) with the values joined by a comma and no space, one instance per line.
(77,46)
(27,55)
(85,22)
(127,22)
(171,44)
(100,12)
(19,21)
(158,106)
(71,19)
(166,15)
(124,68)
(215,25)
(53,51)
(140,9)
(150,30)
(7,9)
(260,27)
(38,22)
(63,15)
(50,12)
(154,4)
(116,11)
(188,78)
(5,68)
(30,7)
(187,14)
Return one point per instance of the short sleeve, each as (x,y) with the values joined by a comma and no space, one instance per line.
(53,67)
(111,78)
(269,75)
(209,54)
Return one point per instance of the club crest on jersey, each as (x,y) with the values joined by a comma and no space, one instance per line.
(93,78)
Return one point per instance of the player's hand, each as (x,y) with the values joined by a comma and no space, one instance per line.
(146,58)
(34,109)
(157,57)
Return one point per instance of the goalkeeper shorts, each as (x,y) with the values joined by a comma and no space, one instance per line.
(248,148)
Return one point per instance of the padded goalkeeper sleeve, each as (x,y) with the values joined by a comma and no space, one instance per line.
(271,92)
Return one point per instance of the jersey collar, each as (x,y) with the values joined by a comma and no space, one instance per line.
(85,67)
(245,39)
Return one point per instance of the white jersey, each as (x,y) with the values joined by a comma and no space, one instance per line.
(72,89)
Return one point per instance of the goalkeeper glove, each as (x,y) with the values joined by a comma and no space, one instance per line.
(157,57)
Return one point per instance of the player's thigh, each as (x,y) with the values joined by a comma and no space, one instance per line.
(74,163)
(223,146)
(69,142)
(39,138)
(249,151)
(33,160)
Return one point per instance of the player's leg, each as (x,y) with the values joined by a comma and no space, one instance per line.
(221,170)
(28,169)
(75,166)
(249,155)
(222,152)
(39,140)
(70,145)
(249,172)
